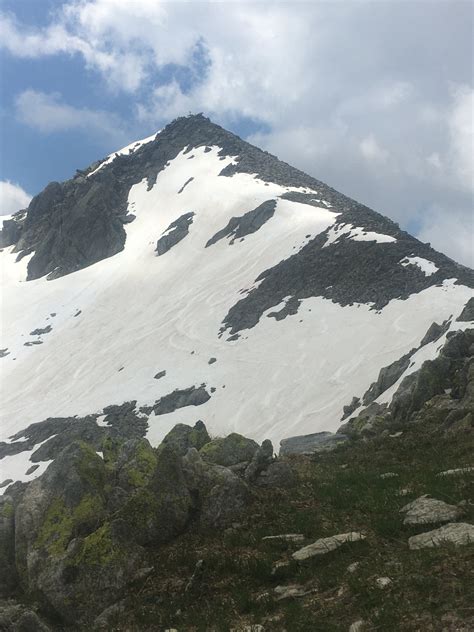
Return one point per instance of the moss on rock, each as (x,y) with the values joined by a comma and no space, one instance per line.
(229,450)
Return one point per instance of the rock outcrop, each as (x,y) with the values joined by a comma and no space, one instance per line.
(76,537)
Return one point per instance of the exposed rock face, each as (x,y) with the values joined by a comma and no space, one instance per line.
(182,437)
(250,222)
(11,230)
(77,536)
(230,450)
(312,443)
(441,391)
(8,576)
(387,377)
(459,534)
(467,313)
(191,396)
(19,618)
(219,494)
(450,370)
(277,474)
(175,232)
(91,209)
(56,433)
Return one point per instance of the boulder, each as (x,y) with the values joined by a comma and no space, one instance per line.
(229,450)
(159,509)
(457,533)
(220,496)
(311,443)
(66,552)
(325,545)
(136,464)
(261,459)
(183,437)
(15,617)
(278,474)
(426,510)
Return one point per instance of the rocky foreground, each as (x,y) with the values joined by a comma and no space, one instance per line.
(369,529)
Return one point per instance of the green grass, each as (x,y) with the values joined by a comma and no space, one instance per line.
(337,492)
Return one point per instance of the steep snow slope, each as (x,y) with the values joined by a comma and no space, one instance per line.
(104,332)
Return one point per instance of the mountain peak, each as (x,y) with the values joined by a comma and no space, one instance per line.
(192,269)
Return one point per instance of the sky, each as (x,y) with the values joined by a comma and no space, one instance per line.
(374,98)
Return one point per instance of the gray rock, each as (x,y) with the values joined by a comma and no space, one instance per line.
(349,408)
(175,232)
(65,553)
(261,459)
(326,545)
(284,537)
(16,617)
(426,510)
(229,450)
(467,313)
(159,375)
(8,575)
(277,474)
(250,222)
(434,332)
(182,437)
(457,533)
(291,591)
(311,444)
(220,496)
(40,332)
(457,471)
(181,398)
(388,375)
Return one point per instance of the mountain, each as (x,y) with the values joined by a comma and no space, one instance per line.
(193,276)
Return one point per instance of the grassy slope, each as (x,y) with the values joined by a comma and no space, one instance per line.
(338,492)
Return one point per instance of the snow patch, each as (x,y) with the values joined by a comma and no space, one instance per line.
(356,233)
(428,267)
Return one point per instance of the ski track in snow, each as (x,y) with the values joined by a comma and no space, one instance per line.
(147,314)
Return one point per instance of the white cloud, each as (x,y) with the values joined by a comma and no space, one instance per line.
(451,231)
(47,113)
(371,150)
(12,197)
(461,127)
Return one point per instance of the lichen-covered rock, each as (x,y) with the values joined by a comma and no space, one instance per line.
(458,533)
(426,510)
(182,437)
(65,503)
(15,617)
(325,545)
(8,575)
(277,474)
(262,458)
(92,573)
(159,510)
(311,443)
(136,464)
(219,495)
(229,450)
